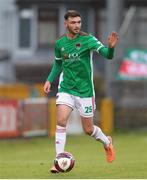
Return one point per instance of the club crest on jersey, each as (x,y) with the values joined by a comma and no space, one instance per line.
(78,45)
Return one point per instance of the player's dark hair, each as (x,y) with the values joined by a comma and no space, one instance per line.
(71,13)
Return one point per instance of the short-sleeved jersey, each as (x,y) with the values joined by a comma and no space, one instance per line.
(77,67)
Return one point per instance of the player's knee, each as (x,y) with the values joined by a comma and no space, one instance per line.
(88,131)
(61,122)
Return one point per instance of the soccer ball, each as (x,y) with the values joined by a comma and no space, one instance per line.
(64,162)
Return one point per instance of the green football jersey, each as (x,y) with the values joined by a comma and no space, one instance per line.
(75,59)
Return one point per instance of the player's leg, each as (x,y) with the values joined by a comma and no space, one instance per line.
(64,107)
(63,113)
(96,132)
(86,107)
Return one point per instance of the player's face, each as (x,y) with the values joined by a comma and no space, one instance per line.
(73,25)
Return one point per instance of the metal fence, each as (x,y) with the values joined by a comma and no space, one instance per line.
(130,97)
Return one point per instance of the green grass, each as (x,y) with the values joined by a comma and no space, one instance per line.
(32,158)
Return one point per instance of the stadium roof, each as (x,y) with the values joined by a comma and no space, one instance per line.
(86,2)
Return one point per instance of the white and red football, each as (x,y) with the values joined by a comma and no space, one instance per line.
(64,162)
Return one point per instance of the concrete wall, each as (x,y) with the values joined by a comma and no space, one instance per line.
(7,24)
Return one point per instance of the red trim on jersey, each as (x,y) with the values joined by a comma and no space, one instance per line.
(60,36)
(53,42)
(93,104)
(81,33)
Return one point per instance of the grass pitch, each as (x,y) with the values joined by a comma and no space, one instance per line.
(32,158)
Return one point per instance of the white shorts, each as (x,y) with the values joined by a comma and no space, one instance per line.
(85,106)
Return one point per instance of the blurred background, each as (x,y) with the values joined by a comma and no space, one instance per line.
(28,30)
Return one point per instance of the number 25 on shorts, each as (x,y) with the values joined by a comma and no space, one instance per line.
(88,109)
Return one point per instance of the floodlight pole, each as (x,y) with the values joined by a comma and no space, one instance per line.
(114,18)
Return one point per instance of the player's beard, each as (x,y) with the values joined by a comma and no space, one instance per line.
(74,31)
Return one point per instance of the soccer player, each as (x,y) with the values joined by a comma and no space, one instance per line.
(73,59)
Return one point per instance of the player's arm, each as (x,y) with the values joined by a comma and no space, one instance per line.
(56,69)
(108,52)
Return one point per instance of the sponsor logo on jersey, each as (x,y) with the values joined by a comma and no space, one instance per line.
(71,57)
(78,45)
(66,56)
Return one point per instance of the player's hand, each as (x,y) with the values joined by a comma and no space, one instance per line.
(47,87)
(113,39)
